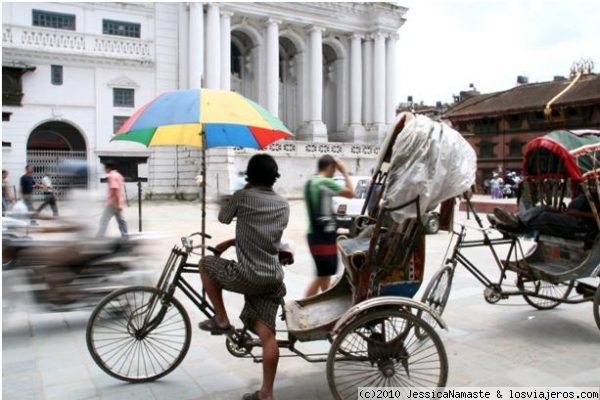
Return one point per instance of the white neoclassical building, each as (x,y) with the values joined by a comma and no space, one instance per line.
(73,72)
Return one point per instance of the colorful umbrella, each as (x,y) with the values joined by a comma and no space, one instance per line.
(203,118)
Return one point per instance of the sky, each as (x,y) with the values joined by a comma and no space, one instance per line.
(447,44)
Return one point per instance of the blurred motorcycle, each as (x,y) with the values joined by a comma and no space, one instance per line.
(65,275)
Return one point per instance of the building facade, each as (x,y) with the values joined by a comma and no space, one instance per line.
(74,72)
(499,124)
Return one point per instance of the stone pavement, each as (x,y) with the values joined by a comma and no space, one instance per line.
(507,344)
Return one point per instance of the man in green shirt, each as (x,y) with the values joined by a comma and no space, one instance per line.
(318,193)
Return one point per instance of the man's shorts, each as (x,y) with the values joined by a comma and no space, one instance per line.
(262,299)
(323,248)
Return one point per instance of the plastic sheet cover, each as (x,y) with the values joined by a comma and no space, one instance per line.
(430,160)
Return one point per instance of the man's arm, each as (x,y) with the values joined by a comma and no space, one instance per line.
(223,246)
(348,190)
(229,210)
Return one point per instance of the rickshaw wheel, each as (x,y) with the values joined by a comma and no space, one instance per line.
(436,296)
(381,348)
(116,345)
(557,291)
(597,307)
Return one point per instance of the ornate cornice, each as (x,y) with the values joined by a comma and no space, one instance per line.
(336,16)
(35,56)
(123,82)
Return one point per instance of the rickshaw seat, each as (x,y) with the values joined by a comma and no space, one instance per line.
(353,253)
(309,318)
(556,259)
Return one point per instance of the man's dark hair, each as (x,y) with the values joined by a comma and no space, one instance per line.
(27,166)
(325,161)
(110,165)
(262,170)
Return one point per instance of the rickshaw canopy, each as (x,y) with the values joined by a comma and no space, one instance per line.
(431,161)
(563,154)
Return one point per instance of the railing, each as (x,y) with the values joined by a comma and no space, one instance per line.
(308,149)
(35,38)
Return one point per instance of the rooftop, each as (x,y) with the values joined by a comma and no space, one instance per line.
(528,97)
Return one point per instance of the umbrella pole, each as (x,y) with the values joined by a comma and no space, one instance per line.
(202,138)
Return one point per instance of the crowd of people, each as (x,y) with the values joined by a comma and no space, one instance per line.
(502,187)
(27,185)
(22,203)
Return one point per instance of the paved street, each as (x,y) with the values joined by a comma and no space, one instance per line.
(508,344)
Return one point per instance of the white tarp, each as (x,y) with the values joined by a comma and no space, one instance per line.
(430,160)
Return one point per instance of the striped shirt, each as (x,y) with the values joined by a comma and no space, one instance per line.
(262,215)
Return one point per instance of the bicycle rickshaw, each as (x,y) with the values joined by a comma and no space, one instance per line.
(140,334)
(556,166)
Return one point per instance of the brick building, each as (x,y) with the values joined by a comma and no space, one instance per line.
(499,124)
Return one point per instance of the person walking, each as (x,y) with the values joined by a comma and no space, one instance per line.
(321,236)
(49,195)
(495,184)
(262,215)
(27,184)
(115,200)
(7,197)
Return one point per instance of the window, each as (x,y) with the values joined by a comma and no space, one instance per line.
(118,121)
(236,61)
(120,28)
(6,116)
(515,121)
(486,149)
(123,97)
(486,125)
(56,74)
(515,148)
(49,19)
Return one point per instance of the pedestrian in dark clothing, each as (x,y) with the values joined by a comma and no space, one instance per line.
(27,184)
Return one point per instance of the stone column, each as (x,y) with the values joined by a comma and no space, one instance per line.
(390,75)
(316,129)
(356,130)
(195,46)
(379,83)
(213,47)
(226,50)
(368,80)
(273,66)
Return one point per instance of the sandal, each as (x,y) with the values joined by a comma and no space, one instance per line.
(252,396)
(213,327)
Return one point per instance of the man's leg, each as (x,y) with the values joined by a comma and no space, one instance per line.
(215,295)
(42,206)
(121,221)
(270,358)
(320,283)
(53,205)
(106,216)
(28,200)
